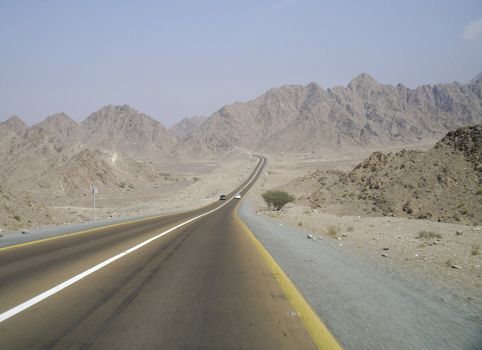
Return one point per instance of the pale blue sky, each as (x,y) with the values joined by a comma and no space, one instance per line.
(172,59)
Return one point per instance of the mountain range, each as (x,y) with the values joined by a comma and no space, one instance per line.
(291,118)
(297,118)
(119,148)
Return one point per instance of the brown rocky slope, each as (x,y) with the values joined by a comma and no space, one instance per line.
(297,118)
(441,184)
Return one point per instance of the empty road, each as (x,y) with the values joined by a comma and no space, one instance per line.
(193,280)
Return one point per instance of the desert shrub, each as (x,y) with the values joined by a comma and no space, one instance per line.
(475,249)
(300,223)
(479,192)
(277,199)
(16,217)
(333,231)
(428,235)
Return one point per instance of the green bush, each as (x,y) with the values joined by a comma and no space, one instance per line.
(428,235)
(277,199)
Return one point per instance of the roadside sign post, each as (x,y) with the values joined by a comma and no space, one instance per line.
(94,191)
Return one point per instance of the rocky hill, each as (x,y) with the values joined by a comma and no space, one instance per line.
(123,129)
(20,210)
(61,126)
(186,126)
(114,149)
(297,118)
(441,184)
(10,129)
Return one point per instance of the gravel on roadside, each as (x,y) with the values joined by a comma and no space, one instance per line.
(363,305)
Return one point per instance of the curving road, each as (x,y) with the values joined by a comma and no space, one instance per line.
(193,280)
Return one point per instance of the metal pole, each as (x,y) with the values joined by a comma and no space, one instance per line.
(93,208)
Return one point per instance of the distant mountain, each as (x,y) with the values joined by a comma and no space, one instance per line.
(13,124)
(187,126)
(440,184)
(12,128)
(61,156)
(123,129)
(61,126)
(476,79)
(297,118)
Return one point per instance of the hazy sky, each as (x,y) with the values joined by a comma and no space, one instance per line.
(172,59)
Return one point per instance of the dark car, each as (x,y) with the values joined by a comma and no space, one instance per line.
(222,197)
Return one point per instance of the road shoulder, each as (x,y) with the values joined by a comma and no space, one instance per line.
(365,307)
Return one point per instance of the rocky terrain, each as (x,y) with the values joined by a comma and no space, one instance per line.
(443,183)
(48,169)
(186,126)
(126,153)
(295,118)
(416,213)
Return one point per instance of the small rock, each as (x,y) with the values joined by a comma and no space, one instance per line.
(1,235)
(341,244)
(458,233)
(457,267)
(344,235)
(280,224)
(386,248)
(385,255)
(319,237)
(25,232)
(416,255)
(309,236)
(339,238)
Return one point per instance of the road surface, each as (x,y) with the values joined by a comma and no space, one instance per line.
(203,285)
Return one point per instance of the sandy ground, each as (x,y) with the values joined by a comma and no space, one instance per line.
(451,262)
(189,185)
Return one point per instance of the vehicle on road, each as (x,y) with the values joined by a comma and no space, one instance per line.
(222,197)
(237,196)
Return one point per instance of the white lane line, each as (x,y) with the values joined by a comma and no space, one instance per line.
(37,299)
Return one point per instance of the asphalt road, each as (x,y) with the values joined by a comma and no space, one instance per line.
(200,286)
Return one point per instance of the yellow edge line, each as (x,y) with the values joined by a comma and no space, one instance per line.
(321,336)
(80,232)
(100,227)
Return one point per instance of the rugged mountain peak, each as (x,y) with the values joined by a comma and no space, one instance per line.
(56,120)
(113,112)
(313,86)
(477,79)
(363,80)
(123,128)
(59,118)
(61,126)
(14,124)
(186,126)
